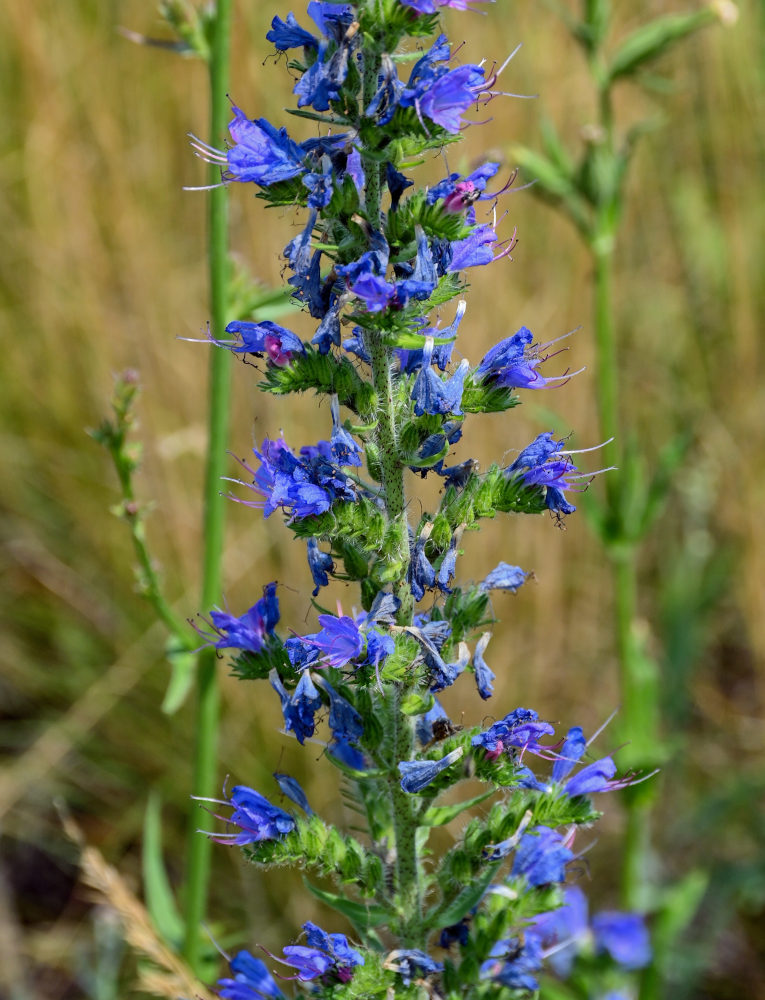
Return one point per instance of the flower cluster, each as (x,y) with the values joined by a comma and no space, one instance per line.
(374,255)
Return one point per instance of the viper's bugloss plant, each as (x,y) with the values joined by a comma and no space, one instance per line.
(379,265)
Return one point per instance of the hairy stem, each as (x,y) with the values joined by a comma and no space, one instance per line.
(205,749)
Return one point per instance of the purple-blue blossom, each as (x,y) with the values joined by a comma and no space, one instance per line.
(289,34)
(299,708)
(519,730)
(344,721)
(484,676)
(412,962)
(291,788)
(513,961)
(261,153)
(504,577)
(320,564)
(266,337)
(338,642)
(431,393)
(248,632)
(301,485)
(541,857)
(418,774)
(252,980)
(256,818)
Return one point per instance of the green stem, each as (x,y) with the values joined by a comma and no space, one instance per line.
(206,729)
(408,888)
(622,554)
(407,881)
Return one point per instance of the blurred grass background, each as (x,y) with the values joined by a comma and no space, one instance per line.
(102,267)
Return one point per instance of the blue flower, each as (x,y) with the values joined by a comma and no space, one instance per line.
(624,936)
(571,752)
(417,774)
(256,818)
(541,857)
(433,6)
(261,153)
(476,250)
(339,641)
(379,646)
(249,632)
(344,721)
(513,362)
(431,394)
(420,573)
(301,485)
(300,709)
(483,675)
(544,463)
(328,957)
(300,654)
(411,962)
(512,963)
(252,980)
(566,931)
(459,192)
(289,35)
(504,577)
(345,451)
(348,755)
(265,337)
(450,95)
(519,730)
(309,962)
(291,788)
(320,563)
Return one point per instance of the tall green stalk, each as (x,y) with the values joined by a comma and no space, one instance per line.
(208,698)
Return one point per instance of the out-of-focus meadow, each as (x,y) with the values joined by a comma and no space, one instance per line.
(103,267)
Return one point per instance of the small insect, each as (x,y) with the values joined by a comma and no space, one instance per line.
(443,728)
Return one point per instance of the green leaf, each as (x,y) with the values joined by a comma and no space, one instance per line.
(452,911)
(363,916)
(160,901)
(440,815)
(651,40)
(183,666)
(417,704)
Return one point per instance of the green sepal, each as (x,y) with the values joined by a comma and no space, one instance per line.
(249,666)
(436,222)
(314,846)
(360,521)
(482,397)
(333,119)
(363,916)
(417,703)
(453,909)
(409,341)
(324,373)
(415,462)
(466,611)
(289,192)
(440,815)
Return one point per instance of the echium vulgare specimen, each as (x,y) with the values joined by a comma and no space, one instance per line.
(380,266)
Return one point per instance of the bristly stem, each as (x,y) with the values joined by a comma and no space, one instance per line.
(407,881)
(205,748)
